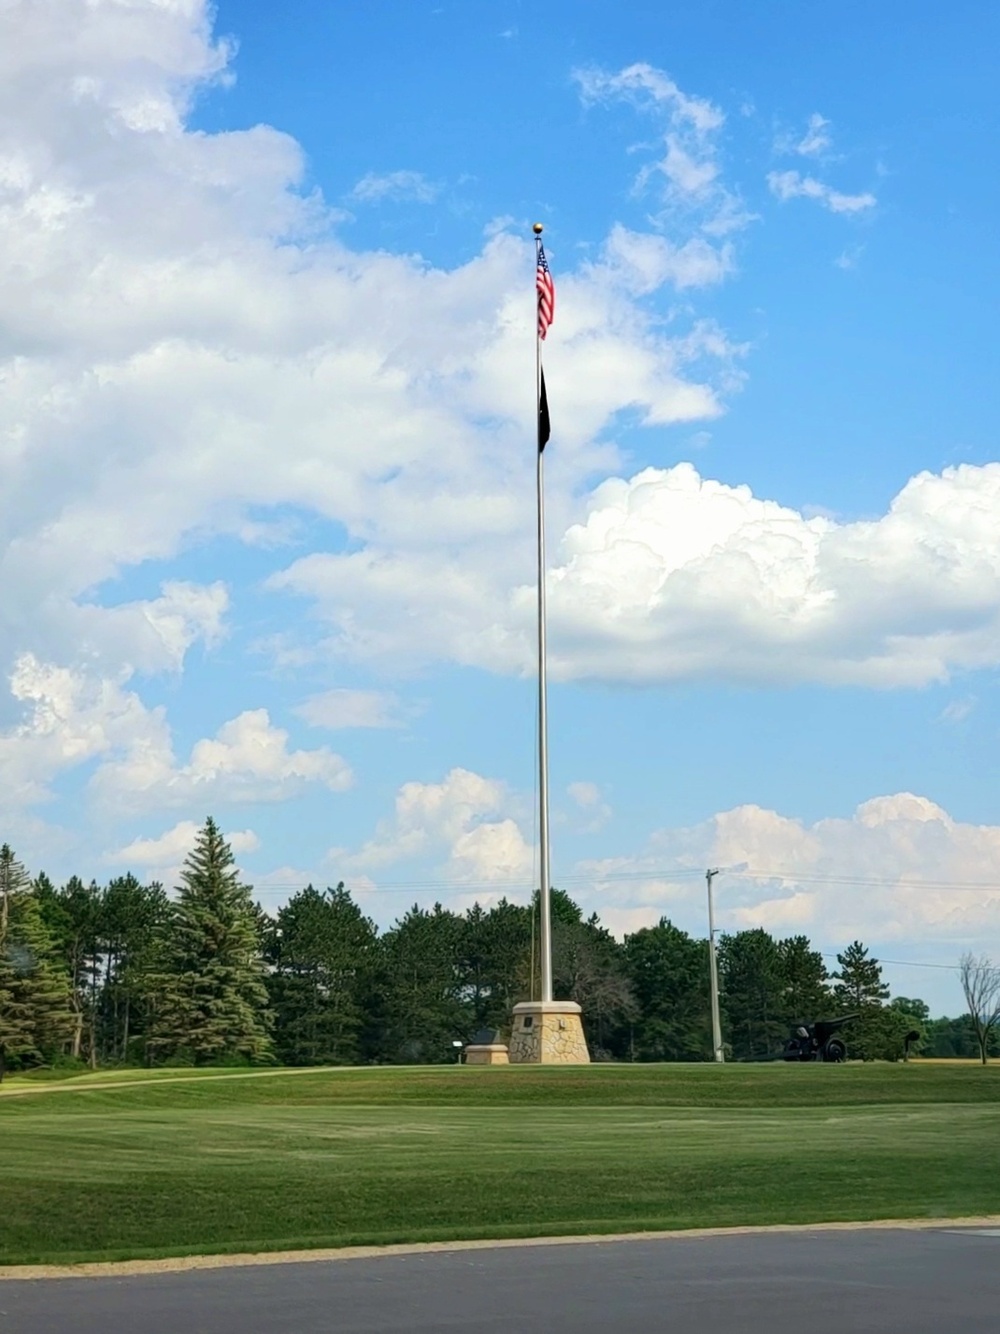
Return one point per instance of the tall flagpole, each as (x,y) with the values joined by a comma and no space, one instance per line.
(543,737)
(546,1030)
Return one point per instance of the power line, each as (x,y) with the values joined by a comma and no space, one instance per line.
(902,963)
(864,882)
(449,888)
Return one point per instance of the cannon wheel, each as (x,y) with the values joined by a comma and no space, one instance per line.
(835,1050)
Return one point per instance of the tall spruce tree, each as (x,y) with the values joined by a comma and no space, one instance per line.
(752,977)
(879,1032)
(35,1016)
(496,961)
(420,1007)
(322,951)
(806,991)
(669,975)
(211,1002)
(859,978)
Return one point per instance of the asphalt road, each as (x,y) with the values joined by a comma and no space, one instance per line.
(864,1282)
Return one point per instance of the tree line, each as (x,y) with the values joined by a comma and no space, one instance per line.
(126,974)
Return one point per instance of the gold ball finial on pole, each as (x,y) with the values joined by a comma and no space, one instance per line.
(537,229)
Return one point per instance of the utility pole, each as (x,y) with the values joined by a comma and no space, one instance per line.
(714,971)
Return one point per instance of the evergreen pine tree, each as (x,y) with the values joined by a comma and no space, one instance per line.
(806,993)
(321,947)
(15,1014)
(669,975)
(35,1016)
(753,985)
(419,1003)
(72,916)
(211,1002)
(133,921)
(878,1034)
(859,981)
(495,961)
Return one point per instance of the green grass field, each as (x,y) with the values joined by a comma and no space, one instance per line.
(124,1165)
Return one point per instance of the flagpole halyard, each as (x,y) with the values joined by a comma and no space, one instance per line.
(545,888)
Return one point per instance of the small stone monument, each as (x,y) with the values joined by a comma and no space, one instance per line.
(548,1033)
(484,1049)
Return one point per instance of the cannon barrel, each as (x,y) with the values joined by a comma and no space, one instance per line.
(827,1027)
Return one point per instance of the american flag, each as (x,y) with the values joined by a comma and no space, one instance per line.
(546,293)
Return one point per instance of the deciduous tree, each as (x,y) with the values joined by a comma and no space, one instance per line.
(981,987)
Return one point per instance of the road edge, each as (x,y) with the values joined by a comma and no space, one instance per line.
(185,1263)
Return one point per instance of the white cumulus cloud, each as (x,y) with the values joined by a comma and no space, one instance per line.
(817,138)
(189,349)
(72,718)
(463,819)
(162,858)
(170,848)
(247,760)
(187,343)
(342,708)
(395,185)
(589,800)
(670,576)
(812,142)
(793,185)
(689,171)
(899,869)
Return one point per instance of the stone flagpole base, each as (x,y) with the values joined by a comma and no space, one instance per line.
(548,1033)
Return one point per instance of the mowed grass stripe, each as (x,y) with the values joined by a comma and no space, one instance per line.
(680,1085)
(217,1166)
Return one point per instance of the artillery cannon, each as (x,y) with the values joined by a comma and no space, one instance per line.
(816,1042)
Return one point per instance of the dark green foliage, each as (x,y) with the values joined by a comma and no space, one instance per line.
(419,1010)
(126,976)
(496,949)
(668,972)
(134,919)
(209,1000)
(753,986)
(859,979)
(917,1010)
(956,1038)
(805,985)
(918,1018)
(322,954)
(588,966)
(878,1034)
(73,916)
(35,1016)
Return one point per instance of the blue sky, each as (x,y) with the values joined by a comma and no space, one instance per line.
(268,502)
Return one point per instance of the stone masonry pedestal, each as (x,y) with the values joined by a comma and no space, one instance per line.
(547,1033)
(486,1053)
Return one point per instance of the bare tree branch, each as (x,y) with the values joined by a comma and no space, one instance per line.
(981,984)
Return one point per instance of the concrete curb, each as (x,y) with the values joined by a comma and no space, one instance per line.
(185,1263)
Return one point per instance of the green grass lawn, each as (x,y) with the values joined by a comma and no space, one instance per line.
(220,1162)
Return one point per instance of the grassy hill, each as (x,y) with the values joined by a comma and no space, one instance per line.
(128,1164)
